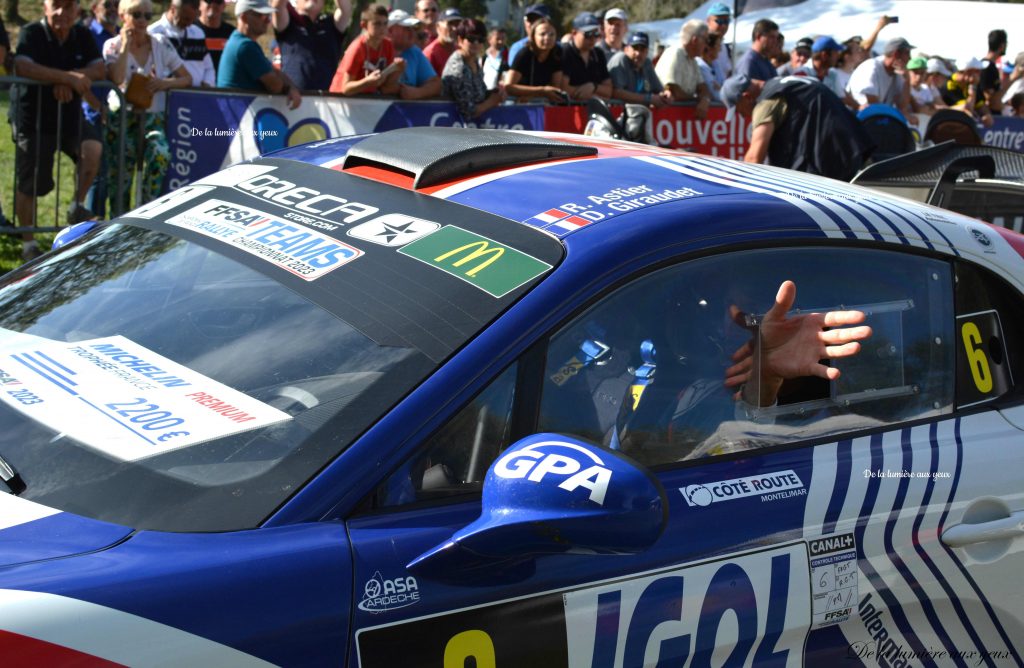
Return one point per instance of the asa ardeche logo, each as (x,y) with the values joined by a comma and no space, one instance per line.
(381,595)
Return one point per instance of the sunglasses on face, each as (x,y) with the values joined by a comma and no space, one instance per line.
(142,15)
(592,34)
(473,39)
(429,10)
(722,22)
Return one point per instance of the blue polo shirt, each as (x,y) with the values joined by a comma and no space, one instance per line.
(242,64)
(417,68)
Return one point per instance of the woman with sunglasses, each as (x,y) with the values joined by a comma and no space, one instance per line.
(537,70)
(463,77)
(136,53)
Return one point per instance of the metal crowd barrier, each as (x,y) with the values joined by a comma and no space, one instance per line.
(39,89)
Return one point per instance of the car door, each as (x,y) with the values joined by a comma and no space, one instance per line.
(796,532)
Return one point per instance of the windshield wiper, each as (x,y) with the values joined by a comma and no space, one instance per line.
(11,477)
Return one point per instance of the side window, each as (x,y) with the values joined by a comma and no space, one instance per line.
(456,458)
(653,368)
(989,314)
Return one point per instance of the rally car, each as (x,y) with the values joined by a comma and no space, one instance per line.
(467,397)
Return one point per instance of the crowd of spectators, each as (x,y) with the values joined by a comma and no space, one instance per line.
(434,52)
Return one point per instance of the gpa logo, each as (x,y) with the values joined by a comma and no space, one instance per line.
(536,462)
(380,595)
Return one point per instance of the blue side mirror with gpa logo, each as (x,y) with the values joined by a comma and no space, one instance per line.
(552,494)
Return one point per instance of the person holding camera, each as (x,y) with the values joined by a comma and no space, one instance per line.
(143,65)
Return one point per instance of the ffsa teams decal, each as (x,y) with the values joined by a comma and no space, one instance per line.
(298,250)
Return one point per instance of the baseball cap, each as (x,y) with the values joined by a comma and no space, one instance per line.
(616,13)
(638,39)
(719,9)
(258,6)
(451,14)
(400,17)
(733,88)
(936,66)
(917,64)
(897,44)
(826,43)
(804,43)
(973,64)
(538,11)
(1007,67)
(585,21)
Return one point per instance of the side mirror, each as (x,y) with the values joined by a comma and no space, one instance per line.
(551,494)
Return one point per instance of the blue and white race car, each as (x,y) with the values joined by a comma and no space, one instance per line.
(497,399)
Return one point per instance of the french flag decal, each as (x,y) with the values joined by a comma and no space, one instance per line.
(558,218)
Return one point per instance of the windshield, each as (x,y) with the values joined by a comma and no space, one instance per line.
(192,370)
(149,381)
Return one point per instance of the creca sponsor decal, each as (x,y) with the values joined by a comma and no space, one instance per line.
(305,201)
(381,595)
(526,632)
(305,253)
(481,262)
(769,486)
(748,610)
(537,461)
(393,229)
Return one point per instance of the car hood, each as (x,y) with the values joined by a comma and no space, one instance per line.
(33,532)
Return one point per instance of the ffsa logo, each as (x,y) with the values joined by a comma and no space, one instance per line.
(535,463)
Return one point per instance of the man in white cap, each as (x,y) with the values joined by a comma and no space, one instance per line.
(963,91)
(616,25)
(243,64)
(879,79)
(418,80)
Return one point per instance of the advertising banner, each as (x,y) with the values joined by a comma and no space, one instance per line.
(208,132)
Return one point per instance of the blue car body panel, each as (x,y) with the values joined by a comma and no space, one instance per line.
(321,582)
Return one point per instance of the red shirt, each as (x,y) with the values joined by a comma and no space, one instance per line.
(437,52)
(360,60)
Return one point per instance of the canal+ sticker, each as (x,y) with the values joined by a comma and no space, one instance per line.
(291,246)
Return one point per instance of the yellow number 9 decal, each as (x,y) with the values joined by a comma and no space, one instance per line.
(476,644)
(976,357)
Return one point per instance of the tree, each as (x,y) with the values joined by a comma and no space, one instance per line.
(11,15)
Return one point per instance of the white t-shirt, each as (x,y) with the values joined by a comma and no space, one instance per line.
(201,70)
(923,94)
(675,67)
(163,61)
(870,78)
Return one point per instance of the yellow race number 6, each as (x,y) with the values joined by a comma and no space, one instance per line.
(476,644)
(976,357)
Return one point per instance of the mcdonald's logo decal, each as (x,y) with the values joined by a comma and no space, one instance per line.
(482,262)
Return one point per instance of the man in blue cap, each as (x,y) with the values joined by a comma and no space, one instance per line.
(584,67)
(533,12)
(633,76)
(438,51)
(824,55)
(719,18)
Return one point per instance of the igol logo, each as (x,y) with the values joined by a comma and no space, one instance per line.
(380,595)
